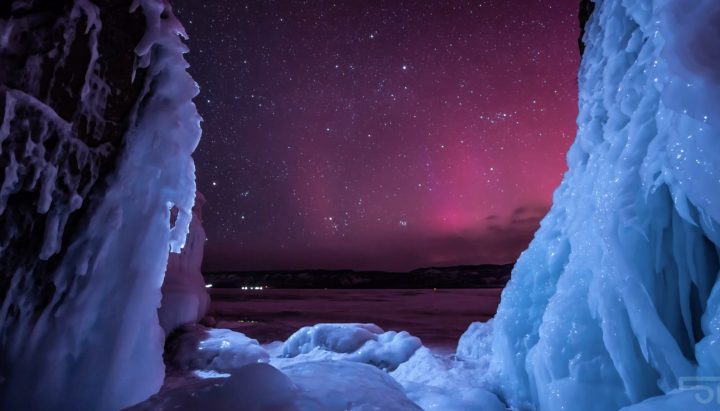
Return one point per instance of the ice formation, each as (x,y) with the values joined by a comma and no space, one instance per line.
(184,297)
(214,349)
(616,301)
(346,385)
(303,386)
(89,338)
(236,370)
(476,342)
(438,382)
(255,387)
(365,343)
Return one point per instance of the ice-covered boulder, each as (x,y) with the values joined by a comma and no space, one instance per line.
(365,343)
(184,296)
(296,387)
(255,387)
(345,385)
(616,299)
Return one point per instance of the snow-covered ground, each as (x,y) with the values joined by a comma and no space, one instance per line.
(325,367)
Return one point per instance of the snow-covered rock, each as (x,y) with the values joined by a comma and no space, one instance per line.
(365,343)
(616,299)
(184,296)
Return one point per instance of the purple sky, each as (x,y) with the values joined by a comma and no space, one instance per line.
(379,135)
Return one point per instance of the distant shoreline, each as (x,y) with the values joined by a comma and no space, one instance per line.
(465,276)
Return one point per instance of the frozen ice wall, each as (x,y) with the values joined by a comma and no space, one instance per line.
(617,299)
(97,131)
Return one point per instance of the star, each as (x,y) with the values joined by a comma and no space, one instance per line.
(324,136)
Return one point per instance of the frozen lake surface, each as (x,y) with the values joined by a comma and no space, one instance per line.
(437,317)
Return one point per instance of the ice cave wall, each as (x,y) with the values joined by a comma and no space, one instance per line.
(617,299)
(95,142)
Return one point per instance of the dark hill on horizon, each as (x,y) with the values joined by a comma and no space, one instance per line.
(463,276)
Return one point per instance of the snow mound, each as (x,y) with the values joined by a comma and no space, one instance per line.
(220,350)
(346,386)
(365,343)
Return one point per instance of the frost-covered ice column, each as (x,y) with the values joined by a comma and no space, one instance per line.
(184,296)
(95,151)
(617,299)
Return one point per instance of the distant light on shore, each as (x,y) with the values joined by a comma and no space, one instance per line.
(252,287)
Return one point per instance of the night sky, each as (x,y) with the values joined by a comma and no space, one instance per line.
(379,135)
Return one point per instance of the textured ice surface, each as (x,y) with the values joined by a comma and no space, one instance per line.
(184,297)
(617,299)
(439,382)
(307,386)
(345,385)
(476,342)
(341,338)
(365,343)
(96,343)
(255,387)
(213,349)
(326,372)
(235,377)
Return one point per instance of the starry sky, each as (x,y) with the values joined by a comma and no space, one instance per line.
(383,135)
